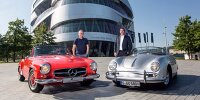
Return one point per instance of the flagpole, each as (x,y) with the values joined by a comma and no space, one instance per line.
(165,32)
(152,39)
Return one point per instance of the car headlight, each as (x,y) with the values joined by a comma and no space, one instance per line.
(45,68)
(155,66)
(93,66)
(112,66)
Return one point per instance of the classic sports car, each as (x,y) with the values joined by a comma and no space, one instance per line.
(145,65)
(52,65)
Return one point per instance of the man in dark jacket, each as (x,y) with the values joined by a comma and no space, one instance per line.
(123,45)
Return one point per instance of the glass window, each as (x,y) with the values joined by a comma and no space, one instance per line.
(120,7)
(89,25)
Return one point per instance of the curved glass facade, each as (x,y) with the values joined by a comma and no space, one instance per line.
(42,7)
(101,23)
(110,3)
(88,25)
(35,3)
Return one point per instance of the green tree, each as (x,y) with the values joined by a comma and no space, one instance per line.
(1,39)
(196,31)
(184,35)
(49,37)
(25,45)
(1,47)
(43,36)
(4,49)
(17,38)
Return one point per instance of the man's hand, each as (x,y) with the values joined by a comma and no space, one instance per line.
(87,54)
(115,54)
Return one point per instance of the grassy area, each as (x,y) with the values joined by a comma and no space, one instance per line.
(17,61)
(187,60)
(180,58)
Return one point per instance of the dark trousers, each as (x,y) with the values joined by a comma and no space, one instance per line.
(122,53)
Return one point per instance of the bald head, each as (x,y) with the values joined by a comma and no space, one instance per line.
(80,34)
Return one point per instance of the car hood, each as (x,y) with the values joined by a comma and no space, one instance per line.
(61,61)
(136,62)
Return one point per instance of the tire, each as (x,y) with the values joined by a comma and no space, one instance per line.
(168,79)
(34,87)
(117,83)
(175,77)
(87,83)
(21,77)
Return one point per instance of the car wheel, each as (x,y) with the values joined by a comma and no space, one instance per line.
(175,77)
(167,81)
(87,83)
(34,87)
(21,77)
(117,83)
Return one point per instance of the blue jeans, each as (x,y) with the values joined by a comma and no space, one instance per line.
(82,55)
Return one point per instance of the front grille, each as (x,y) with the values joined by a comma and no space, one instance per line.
(74,72)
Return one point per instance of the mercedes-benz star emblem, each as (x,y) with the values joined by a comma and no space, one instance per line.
(72,72)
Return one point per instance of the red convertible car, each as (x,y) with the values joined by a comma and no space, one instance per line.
(52,65)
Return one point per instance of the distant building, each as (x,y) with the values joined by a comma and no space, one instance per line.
(195,56)
(174,51)
(100,19)
(180,54)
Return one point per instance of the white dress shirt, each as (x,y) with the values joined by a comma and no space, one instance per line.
(121,42)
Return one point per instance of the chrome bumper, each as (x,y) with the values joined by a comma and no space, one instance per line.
(66,80)
(145,77)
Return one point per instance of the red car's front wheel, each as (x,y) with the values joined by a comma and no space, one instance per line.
(34,87)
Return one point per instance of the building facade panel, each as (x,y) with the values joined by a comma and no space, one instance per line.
(83,11)
(126,2)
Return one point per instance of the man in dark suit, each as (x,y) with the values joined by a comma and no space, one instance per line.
(123,45)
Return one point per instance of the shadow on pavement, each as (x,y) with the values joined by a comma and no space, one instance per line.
(182,85)
(73,87)
(75,91)
(99,89)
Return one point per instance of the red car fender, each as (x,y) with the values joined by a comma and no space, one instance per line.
(21,64)
(89,70)
(36,69)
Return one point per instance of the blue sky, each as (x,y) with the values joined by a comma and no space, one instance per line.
(149,15)
(154,15)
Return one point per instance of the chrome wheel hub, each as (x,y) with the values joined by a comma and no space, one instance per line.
(32,82)
(166,82)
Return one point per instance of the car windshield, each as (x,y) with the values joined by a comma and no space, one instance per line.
(50,50)
(150,50)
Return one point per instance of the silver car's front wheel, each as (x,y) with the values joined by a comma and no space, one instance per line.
(166,82)
(117,83)
(167,79)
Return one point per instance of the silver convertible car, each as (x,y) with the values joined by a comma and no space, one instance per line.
(145,65)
